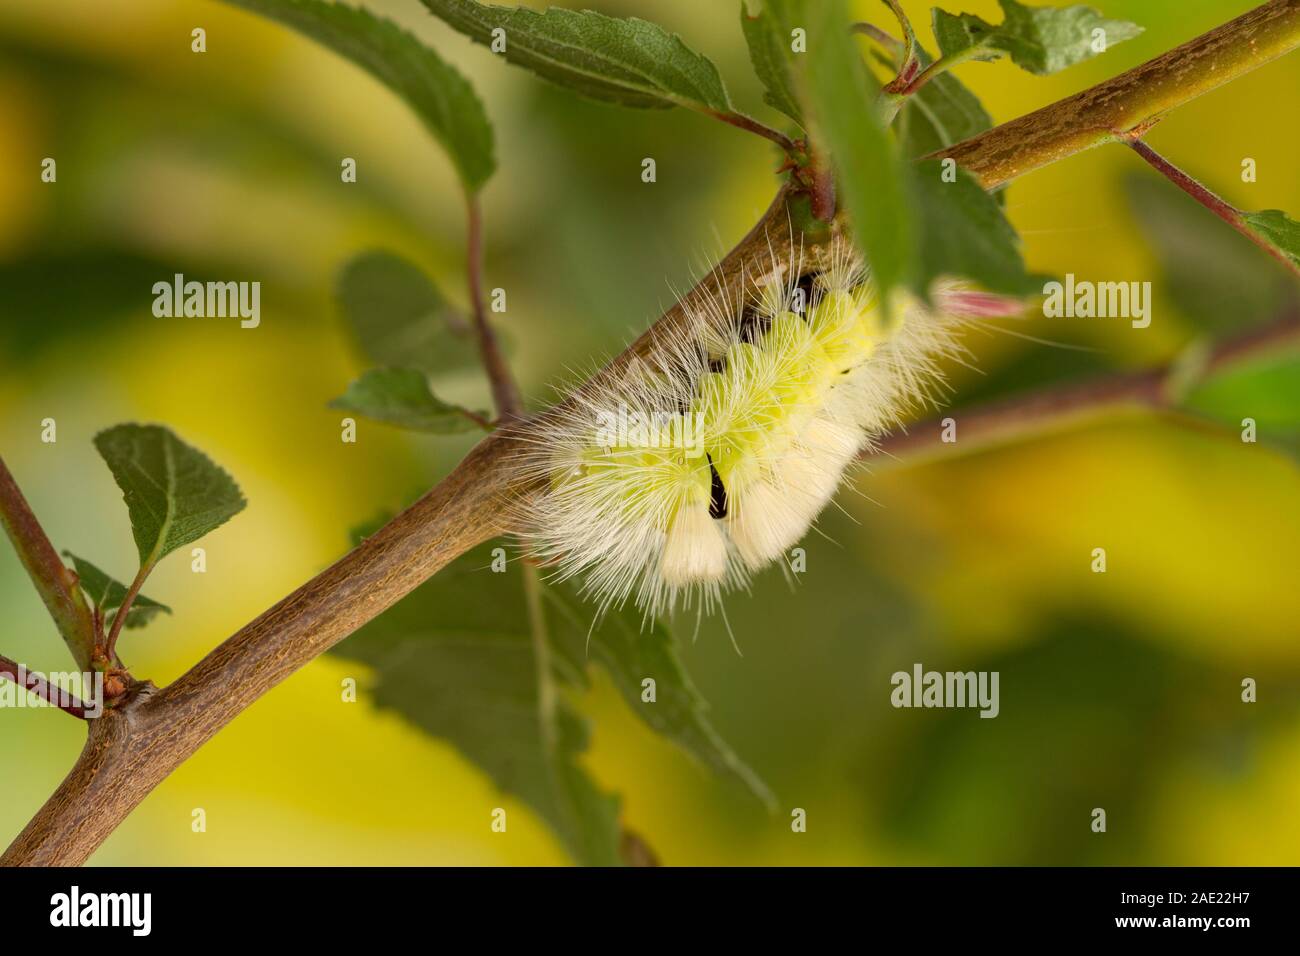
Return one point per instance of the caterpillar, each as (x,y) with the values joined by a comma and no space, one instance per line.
(704,460)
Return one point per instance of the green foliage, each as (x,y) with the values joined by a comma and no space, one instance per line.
(173,492)
(107,594)
(1215,276)
(630,652)
(440,96)
(457,658)
(964,233)
(769,52)
(399,317)
(619,60)
(1277,229)
(402,397)
(1041,40)
(841,98)
(1265,389)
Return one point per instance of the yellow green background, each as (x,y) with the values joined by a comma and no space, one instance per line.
(1118,691)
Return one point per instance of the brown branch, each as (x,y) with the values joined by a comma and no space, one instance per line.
(1022,416)
(38,685)
(55,582)
(505,393)
(151,732)
(1132,100)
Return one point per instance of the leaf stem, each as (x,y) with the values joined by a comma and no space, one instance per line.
(505,393)
(541,653)
(1211,201)
(119,618)
(748,123)
(38,685)
(55,582)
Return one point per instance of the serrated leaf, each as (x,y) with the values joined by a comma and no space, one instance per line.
(630,654)
(942,112)
(107,594)
(620,60)
(455,657)
(769,52)
(439,95)
(841,101)
(1041,40)
(399,317)
(964,232)
(1277,229)
(402,397)
(174,493)
(1216,277)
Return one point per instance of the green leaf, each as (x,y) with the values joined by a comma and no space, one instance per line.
(769,52)
(174,493)
(869,177)
(456,658)
(630,653)
(1041,40)
(618,60)
(107,594)
(440,96)
(1265,389)
(1215,276)
(942,112)
(401,397)
(964,232)
(1277,229)
(399,317)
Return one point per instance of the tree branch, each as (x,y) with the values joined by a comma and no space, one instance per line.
(1133,100)
(1032,413)
(55,582)
(139,742)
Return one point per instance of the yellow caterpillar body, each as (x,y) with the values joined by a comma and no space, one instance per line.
(709,459)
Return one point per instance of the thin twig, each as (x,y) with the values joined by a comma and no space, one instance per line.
(505,393)
(55,582)
(1022,416)
(65,701)
(1216,204)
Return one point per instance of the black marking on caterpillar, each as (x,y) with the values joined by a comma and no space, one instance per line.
(717,492)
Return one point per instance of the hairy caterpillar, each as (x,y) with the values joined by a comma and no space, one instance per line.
(708,458)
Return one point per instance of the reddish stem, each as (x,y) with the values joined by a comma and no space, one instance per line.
(1216,204)
(504,391)
(42,688)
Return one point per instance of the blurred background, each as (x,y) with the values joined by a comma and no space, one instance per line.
(1118,690)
